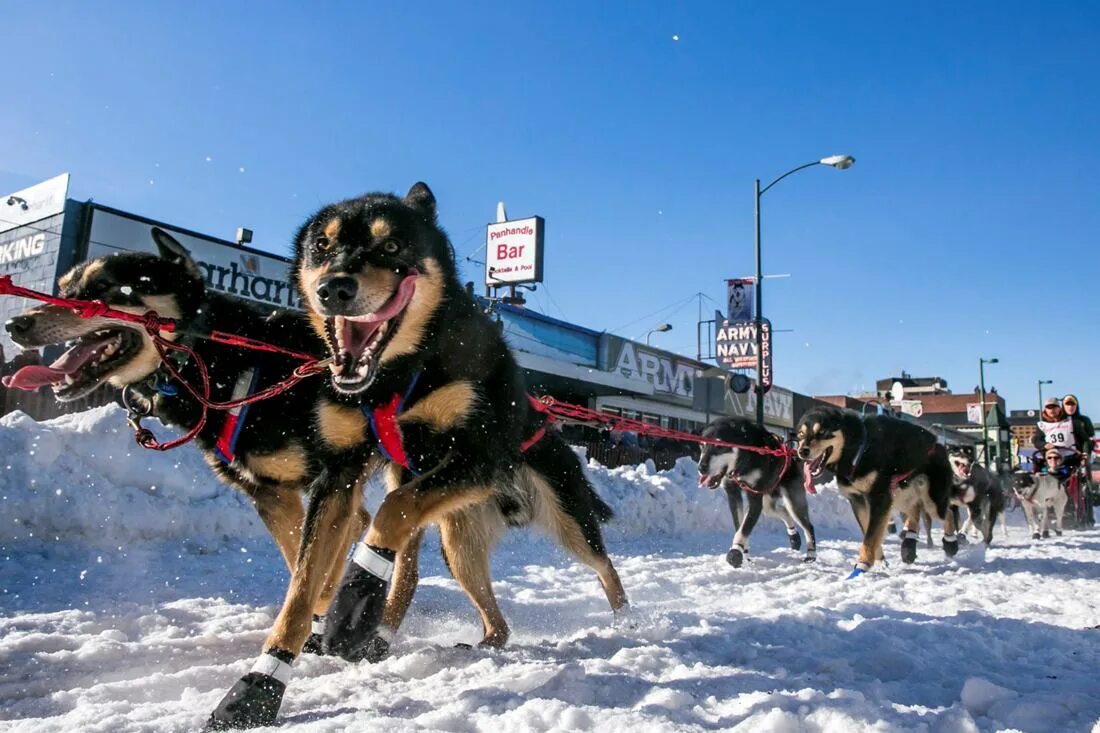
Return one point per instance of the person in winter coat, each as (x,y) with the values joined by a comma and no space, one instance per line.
(1082,427)
(1056,429)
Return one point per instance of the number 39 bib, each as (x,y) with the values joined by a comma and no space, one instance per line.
(1058,434)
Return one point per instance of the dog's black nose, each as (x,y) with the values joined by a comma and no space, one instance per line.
(337,290)
(19,326)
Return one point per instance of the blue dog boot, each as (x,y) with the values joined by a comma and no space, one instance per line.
(858,570)
(254,701)
(351,623)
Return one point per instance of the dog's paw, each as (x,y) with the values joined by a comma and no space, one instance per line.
(892,528)
(1046,534)
(909,550)
(1035,536)
(1058,532)
(811,556)
(951,546)
(253,702)
(735,557)
(795,540)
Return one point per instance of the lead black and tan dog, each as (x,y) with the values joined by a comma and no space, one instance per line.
(418,366)
(772,485)
(880,462)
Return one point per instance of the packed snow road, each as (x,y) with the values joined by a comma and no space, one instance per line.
(126,608)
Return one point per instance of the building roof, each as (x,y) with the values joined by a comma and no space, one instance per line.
(942,403)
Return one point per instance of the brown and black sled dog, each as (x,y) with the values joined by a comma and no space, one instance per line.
(881,463)
(420,368)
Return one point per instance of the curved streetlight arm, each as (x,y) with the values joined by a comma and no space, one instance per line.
(793,170)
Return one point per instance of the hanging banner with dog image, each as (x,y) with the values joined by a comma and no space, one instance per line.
(735,347)
(739,298)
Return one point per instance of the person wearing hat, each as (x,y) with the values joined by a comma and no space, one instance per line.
(1054,464)
(1055,427)
(1083,431)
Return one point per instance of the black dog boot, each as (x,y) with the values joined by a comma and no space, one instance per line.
(794,538)
(909,547)
(254,701)
(314,644)
(811,556)
(352,620)
(1046,534)
(892,528)
(1058,532)
(1035,536)
(736,555)
(377,647)
(950,544)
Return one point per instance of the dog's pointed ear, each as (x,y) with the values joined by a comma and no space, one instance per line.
(420,197)
(171,250)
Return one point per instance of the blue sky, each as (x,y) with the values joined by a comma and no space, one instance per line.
(967,228)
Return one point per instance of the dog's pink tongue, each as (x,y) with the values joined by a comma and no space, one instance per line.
(395,304)
(808,477)
(37,375)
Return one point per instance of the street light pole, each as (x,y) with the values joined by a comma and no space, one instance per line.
(840,162)
(759,314)
(1041,382)
(660,329)
(985,430)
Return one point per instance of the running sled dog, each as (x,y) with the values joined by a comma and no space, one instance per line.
(980,492)
(420,371)
(881,463)
(771,484)
(1039,495)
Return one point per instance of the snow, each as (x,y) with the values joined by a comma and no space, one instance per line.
(125,607)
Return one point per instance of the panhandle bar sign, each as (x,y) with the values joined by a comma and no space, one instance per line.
(513,252)
(735,347)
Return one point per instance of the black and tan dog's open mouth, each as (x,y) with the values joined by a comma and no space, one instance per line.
(89,360)
(357,342)
(815,466)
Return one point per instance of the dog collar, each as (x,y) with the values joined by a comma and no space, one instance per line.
(859,451)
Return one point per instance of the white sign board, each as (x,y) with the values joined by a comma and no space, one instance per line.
(909,407)
(33,203)
(513,251)
(974,412)
(246,273)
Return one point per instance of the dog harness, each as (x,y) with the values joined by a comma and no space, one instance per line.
(226,445)
(383,423)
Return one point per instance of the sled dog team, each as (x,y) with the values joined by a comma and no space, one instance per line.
(423,390)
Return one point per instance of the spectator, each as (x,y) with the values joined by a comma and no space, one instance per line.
(1082,427)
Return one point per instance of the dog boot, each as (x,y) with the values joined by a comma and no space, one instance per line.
(950,544)
(314,644)
(1035,536)
(909,547)
(1058,532)
(858,570)
(811,555)
(794,539)
(736,555)
(254,701)
(377,647)
(892,528)
(1046,534)
(352,620)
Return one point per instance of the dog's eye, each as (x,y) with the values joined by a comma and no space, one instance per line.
(390,246)
(322,244)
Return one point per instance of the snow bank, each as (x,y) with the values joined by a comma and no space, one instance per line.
(83,477)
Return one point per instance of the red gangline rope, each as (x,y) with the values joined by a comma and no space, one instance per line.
(154,324)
